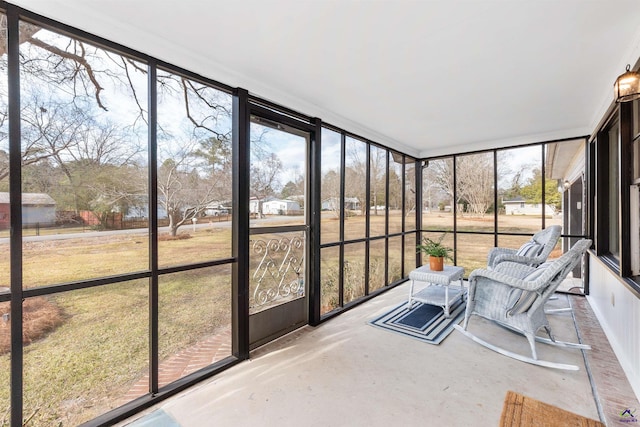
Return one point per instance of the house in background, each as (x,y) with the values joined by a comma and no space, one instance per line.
(37,208)
(281,207)
(332,204)
(519,206)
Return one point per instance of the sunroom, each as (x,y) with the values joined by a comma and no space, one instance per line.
(247,182)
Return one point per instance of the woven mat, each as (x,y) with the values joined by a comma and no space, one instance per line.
(423,321)
(522,411)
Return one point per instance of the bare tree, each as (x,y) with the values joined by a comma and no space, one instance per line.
(395,186)
(49,129)
(330,191)
(115,189)
(106,142)
(356,172)
(182,191)
(215,153)
(475,182)
(410,188)
(377,171)
(438,182)
(265,176)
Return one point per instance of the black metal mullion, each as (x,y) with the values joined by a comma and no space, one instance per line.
(343,148)
(314,218)
(367,220)
(15,202)
(455,212)
(418,214)
(495,198)
(154,334)
(240,225)
(544,185)
(625,171)
(402,209)
(386,219)
(602,193)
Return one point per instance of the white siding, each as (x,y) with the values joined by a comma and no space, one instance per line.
(45,215)
(527,209)
(618,311)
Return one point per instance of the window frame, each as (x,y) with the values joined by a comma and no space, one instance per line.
(626,116)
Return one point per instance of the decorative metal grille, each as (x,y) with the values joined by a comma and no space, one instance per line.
(279,273)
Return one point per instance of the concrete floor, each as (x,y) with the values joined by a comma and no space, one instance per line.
(348,373)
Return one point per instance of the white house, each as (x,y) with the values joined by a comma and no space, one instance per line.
(519,206)
(281,207)
(332,203)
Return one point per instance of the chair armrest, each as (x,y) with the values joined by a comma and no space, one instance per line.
(514,269)
(501,277)
(516,258)
(496,252)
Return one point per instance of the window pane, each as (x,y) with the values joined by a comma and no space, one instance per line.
(329,279)
(409,194)
(613,177)
(437,195)
(194,171)
(278,174)
(330,186)
(378,189)
(409,253)
(472,251)
(395,259)
(520,190)
(396,192)
(84,160)
(557,186)
(355,196)
(574,282)
(474,190)
(377,255)
(94,356)
(353,271)
(194,321)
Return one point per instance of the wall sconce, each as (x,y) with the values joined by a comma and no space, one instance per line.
(627,86)
(566,184)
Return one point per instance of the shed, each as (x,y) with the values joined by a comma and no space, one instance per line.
(37,208)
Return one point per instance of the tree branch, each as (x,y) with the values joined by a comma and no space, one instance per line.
(79,59)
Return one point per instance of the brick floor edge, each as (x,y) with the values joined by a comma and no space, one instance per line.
(611,386)
(201,354)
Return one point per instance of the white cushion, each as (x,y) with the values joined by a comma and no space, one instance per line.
(530,249)
(520,300)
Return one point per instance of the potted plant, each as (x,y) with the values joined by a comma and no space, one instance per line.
(437,252)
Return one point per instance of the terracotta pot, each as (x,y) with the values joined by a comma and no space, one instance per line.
(436,263)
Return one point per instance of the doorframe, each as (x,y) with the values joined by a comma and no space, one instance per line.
(244,106)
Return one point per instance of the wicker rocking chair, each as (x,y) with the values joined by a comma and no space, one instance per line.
(533,253)
(513,295)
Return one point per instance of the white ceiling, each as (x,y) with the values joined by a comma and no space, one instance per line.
(427,77)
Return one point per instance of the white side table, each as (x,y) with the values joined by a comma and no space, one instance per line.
(439,291)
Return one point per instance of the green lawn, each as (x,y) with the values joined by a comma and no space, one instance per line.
(83,368)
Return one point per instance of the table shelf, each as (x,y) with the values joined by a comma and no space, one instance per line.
(439,290)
